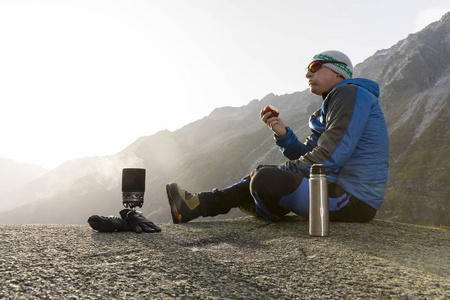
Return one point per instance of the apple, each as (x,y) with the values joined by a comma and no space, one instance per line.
(273,109)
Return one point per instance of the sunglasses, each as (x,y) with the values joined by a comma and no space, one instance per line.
(317,64)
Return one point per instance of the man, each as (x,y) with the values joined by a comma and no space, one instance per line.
(349,137)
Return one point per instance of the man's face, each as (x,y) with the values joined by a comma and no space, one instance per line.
(322,81)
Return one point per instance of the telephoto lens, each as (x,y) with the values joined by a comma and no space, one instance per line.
(318,202)
(133,187)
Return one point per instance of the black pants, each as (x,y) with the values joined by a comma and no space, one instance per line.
(273,187)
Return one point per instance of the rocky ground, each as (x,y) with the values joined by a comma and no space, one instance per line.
(244,258)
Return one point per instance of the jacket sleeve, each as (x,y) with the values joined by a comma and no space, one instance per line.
(292,148)
(346,117)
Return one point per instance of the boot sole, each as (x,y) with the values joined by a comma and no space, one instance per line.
(173,207)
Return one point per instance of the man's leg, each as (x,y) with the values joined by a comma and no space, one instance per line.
(344,207)
(186,206)
(277,192)
(222,201)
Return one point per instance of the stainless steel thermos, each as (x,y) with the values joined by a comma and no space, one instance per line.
(318,202)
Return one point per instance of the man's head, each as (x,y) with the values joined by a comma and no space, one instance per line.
(337,67)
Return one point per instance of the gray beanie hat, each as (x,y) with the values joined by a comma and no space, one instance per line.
(345,71)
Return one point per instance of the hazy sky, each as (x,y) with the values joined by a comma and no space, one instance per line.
(87,78)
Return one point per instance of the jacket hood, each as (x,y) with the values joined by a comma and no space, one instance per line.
(368,84)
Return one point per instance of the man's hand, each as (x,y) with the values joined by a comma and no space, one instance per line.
(274,123)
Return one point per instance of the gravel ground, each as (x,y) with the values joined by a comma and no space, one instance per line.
(244,258)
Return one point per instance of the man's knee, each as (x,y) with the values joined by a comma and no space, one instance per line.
(265,190)
(261,180)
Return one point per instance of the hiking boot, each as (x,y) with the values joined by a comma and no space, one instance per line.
(108,224)
(184,206)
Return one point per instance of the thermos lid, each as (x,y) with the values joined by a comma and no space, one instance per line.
(318,169)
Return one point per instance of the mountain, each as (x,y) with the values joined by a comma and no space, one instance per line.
(68,193)
(14,175)
(221,148)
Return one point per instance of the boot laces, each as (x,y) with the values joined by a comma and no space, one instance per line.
(188,195)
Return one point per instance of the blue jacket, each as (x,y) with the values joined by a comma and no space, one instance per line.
(349,137)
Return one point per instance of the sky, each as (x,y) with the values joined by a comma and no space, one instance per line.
(82,78)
